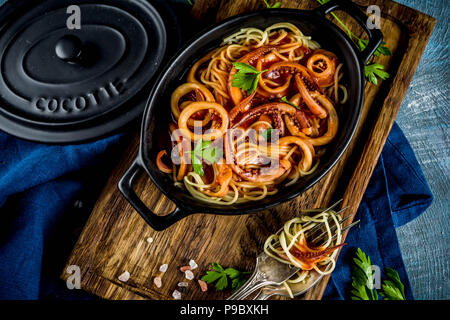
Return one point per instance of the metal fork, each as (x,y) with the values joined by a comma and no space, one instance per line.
(269,271)
(296,288)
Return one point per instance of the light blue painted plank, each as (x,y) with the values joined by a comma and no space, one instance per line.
(425,119)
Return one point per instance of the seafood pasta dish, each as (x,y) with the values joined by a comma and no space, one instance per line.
(253,115)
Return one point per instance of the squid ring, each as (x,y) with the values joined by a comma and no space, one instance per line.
(307,148)
(322,68)
(184,89)
(195,107)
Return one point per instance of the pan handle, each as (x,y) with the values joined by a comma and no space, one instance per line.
(158,223)
(375,35)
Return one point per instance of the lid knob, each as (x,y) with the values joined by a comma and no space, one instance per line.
(68,48)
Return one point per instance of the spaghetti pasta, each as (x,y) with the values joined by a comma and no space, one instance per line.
(290,245)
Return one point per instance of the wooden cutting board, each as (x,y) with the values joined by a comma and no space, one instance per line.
(115,236)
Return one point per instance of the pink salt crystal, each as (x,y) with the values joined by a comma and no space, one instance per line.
(185,268)
(157,282)
(203,285)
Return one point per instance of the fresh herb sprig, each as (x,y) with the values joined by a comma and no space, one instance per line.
(381,50)
(371,70)
(285,100)
(204,150)
(273,6)
(363,281)
(393,288)
(221,277)
(267,134)
(363,278)
(247,77)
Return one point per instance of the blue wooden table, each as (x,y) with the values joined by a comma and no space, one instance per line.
(424,118)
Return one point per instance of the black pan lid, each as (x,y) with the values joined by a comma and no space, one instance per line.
(74,70)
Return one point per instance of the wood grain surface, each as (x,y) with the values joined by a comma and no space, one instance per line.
(114,238)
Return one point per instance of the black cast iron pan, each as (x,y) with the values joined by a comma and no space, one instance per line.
(157,114)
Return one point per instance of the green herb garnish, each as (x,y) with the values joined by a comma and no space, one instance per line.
(381,50)
(267,134)
(274,6)
(246,78)
(363,278)
(285,100)
(393,289)
(204,150)
(371,70)
(221,277)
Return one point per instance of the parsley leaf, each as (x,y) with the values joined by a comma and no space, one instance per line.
(373,70)
(220,276)
(246,68)
(381,50)
(393,289)
(211,276)
(285,100)
(217,267)
(212,154)
(197,164)
(238,282)
(267,134)
(390,292)
(363,278)
(246,78)
(274,6)
(232,273)
(204,150)
(222,283)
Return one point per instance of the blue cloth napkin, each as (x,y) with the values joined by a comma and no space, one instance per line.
(40,188)
(397,193)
